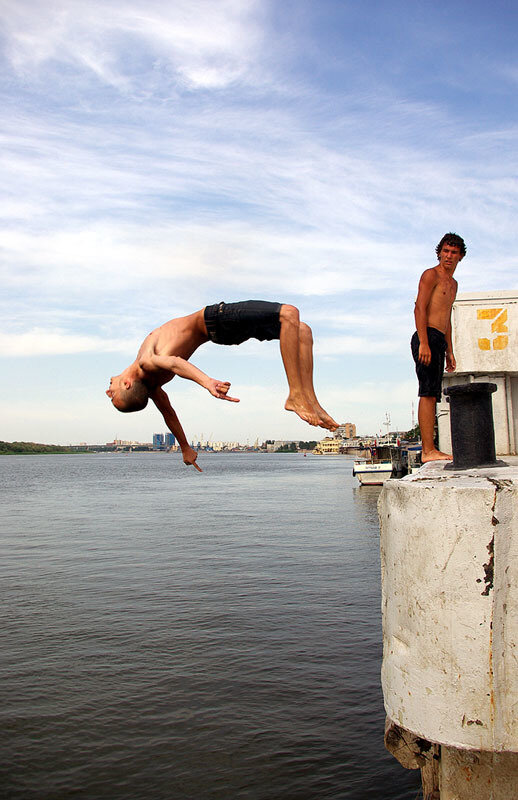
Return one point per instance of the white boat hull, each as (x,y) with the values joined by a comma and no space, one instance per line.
(373,474)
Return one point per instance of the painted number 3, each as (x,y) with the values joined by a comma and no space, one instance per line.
(499,330)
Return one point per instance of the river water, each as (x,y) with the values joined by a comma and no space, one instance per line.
(170,635)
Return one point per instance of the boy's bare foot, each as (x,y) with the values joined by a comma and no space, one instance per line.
(303,410)
(435,455)
(325,420)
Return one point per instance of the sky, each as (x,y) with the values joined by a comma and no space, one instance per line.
(158,157)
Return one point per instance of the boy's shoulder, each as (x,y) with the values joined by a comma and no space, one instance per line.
(430,275)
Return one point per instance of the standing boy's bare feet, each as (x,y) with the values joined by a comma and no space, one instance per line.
(435,455)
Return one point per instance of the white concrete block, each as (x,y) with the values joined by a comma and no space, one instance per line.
(485,332)
(485,343)
(449,550)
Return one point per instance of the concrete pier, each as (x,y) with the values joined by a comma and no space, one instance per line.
(449,551)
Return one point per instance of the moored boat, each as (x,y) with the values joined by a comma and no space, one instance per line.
(373,473)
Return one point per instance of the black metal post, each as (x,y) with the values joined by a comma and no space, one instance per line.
(472,428)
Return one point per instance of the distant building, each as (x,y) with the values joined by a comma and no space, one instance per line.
(328,446)
(169,440)
(346,431)
(272,447)
(158,441)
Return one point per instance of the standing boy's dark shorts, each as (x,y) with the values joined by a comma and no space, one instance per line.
(233,323)
(430,377)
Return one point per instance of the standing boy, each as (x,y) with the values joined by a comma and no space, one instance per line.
(431,343)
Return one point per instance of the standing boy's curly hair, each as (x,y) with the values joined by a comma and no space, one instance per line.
(454,240)
(133,399)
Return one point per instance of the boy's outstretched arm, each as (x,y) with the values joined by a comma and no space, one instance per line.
(162,402)
(184,369)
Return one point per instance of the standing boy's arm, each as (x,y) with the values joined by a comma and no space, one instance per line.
(161,400)
(451,364)
(424,294)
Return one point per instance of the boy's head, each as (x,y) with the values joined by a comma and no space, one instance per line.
(128,395)
(453,240)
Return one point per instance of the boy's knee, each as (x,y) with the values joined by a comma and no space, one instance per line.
(289,314)
(305,333)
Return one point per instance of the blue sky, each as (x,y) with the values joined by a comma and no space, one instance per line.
(157,157)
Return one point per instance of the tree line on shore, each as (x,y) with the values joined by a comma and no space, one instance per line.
(26,448)
(294,447)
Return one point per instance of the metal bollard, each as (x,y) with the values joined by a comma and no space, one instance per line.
(472,428)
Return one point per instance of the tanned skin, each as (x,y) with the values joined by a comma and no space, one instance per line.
(437,292)
(165,352)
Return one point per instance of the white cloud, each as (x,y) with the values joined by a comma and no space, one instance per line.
(41,342)
(205,44)
(334,346)
(235,255)
(366,403)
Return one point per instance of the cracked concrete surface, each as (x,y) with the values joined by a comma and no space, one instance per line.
(449,550)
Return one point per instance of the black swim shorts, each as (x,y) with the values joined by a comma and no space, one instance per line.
(430,377)
(233,323)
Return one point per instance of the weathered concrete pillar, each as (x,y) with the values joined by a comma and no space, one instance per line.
(449,551)
(471,775)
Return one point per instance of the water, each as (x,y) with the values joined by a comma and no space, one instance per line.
(182,636)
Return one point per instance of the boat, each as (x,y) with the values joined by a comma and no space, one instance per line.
(389,457)
(413,458)
(373,473)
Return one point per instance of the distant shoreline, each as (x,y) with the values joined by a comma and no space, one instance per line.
(33,448)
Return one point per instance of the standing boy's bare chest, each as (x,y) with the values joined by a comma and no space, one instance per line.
(443,294)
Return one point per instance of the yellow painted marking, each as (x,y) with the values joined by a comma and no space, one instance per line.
(498,325)
(488,313)
(500,342)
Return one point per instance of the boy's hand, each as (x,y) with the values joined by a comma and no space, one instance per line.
(189,457)
(451,364)
(425,354)
(219,389)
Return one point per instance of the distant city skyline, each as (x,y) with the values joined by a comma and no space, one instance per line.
(166,439)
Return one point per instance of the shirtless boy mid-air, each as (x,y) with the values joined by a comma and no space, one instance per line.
(431,343)
(165,352)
